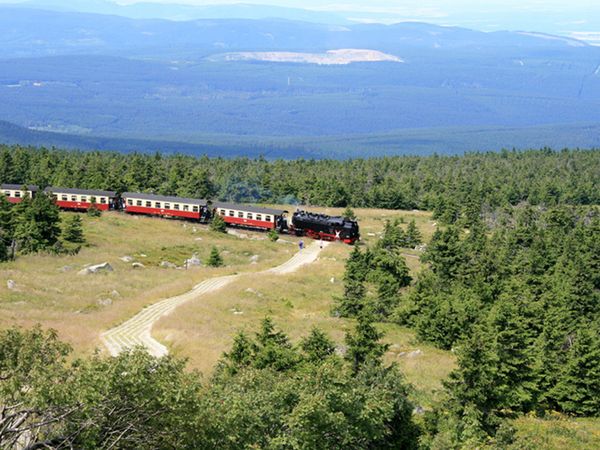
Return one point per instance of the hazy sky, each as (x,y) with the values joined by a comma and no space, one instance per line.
(551,16)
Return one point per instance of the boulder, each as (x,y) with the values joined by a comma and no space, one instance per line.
(10,284)
(105,302)
(193,261)
(126,259)
(254,258)
(414,354)
(98,268)
(115,293)
(138,265)
(168,265)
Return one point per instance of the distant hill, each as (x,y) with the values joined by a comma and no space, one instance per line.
(169,82)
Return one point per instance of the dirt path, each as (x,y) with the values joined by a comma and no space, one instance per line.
(137,331)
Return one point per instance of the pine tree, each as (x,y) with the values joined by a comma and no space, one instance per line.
(413,235)
(36,224)
(6,227)
(242,354)
(578,390)
(364,344)
(218,224)
(93,210)
(214,259)
(317,346)
(349,214)
(274,349)
(73,230)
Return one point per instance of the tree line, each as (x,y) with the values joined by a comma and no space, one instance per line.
(449,185)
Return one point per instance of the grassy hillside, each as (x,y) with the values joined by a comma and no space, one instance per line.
(50,292)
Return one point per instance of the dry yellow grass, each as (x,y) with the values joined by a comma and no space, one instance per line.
(203,329)
(50,292)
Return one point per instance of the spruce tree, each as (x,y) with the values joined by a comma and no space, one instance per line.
(218,224)
(413,235)
(37,224)
(578,389)
(6,227)
(214,259)
(317,346)
(349,213)
(73,230)
(364,344)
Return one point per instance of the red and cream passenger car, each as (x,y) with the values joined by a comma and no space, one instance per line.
(82,199)
(16,192)
(160,205)
(251,216)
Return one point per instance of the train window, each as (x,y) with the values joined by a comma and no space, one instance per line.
(222,212)
(249,216)
(240,214)
(103,200)
(176,206)
(64,198)
(167,206)
(83,198)
(268,218)
(93,199)
(186,207)
(157,204)
(17,194)
(130,202)
(55,197)
(148,204)
(7,193)
(231,213)
(259,217)
(195,209)
(73,198)
(138,202)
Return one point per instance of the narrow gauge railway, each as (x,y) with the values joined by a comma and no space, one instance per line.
(302,223)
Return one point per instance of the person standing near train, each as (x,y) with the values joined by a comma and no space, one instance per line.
(301,244)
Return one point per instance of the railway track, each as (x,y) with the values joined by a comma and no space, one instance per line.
(137,331)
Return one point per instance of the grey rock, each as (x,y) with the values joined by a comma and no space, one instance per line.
(414,354)
(332,280)
(138,265)
(10,284)
(105,302)
(168,265)
(98,268)
(193,261)
(115,293)
(254,258)
(126,259)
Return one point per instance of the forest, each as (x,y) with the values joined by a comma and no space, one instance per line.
(510,284)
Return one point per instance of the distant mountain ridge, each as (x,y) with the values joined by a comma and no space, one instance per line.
(164,81)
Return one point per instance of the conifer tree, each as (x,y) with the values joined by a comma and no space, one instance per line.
(214,259)
(317,346)
(73,230)
(413,235)
(364,344)
(349,213)
(218,224)
(6,228)
(36,224)
(578,389)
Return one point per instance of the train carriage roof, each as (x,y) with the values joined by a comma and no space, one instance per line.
(18,187)
(61,190)
(250,208)
(164,198)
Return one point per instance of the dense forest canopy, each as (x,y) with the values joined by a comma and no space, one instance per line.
(445,184)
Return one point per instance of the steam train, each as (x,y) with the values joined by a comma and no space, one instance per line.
(302,223)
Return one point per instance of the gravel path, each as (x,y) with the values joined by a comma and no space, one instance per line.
(137,331)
